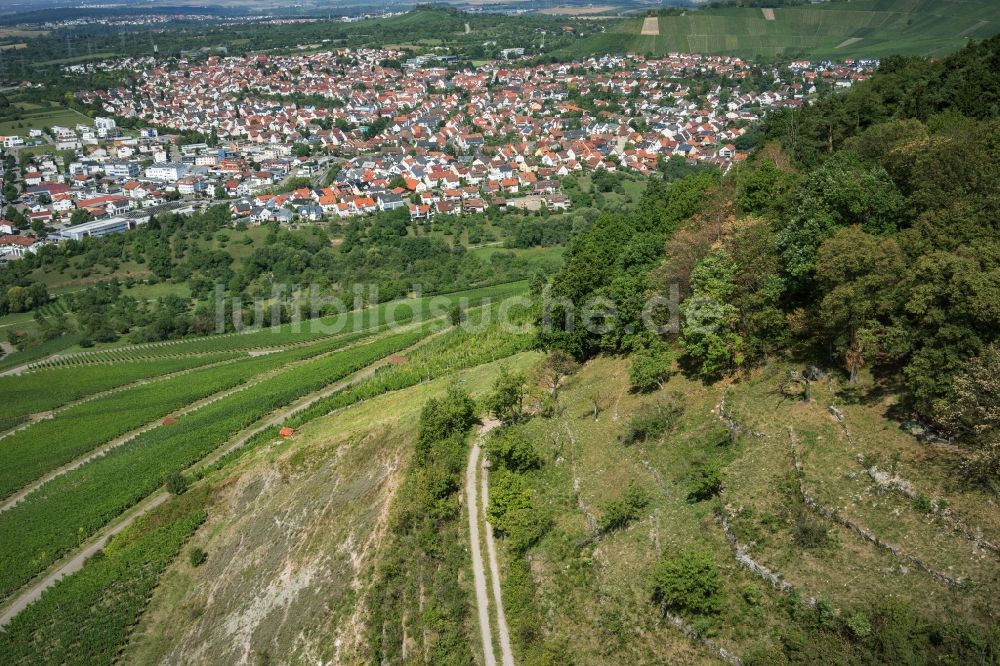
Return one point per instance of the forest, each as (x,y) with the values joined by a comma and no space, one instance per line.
(862,236)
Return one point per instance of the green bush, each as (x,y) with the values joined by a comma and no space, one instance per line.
(513,513)
(649,369)
(197,556)
(652,421)
(707,481)
(510,448)
(176,483)
(689,583)
(618,513)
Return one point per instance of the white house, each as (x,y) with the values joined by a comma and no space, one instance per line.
(167,171)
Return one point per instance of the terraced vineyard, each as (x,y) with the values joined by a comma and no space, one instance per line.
(290,334)
(37,392)
(72,507)
(104,447)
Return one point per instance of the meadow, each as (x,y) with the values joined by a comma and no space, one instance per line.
(41,119)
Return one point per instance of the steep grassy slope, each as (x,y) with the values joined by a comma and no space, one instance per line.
(584,593)
(838,29)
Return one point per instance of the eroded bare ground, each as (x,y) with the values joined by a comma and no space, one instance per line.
(288,555)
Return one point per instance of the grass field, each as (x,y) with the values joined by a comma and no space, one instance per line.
(836,29)
(40,119)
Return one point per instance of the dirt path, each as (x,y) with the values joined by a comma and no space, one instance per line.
(506,653)
(73,564)
(478,574)
(478,571)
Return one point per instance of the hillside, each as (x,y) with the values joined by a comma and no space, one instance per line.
(749,418)
(837,29)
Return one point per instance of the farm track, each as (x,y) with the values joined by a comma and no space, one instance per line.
(15,499)
(474,468)
(73,562)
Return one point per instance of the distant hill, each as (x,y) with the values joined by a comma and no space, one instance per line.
(837,29)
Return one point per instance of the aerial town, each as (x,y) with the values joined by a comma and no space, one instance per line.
(499,332)
(394,133)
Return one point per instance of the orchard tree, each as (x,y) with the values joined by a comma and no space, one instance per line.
(556,367)
(506,401)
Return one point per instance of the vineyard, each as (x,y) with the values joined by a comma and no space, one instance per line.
(44,446)
(38,531)
(37,392)
(196,370)
(296,333)
(94,444)
(62,627)
(70,602)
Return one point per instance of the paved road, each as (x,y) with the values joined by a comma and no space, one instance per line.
(478,570)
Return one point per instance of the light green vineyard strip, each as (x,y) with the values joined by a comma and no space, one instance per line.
(40,391)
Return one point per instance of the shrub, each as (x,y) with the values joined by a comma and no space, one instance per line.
(506,400)
(455,315)
(859,625)
(513,513)
(810,533)
(652,421)
(512,449)
(440,418)
(176,483)
(197,556)
(649,369)
(620,512)
(707,481)
(86,342)
(689,583)
(922,503)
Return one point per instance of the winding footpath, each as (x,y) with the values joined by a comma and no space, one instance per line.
(478,570)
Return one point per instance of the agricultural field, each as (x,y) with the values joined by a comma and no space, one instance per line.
(95,448)
(836,29)
(395,391)
(40,119)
